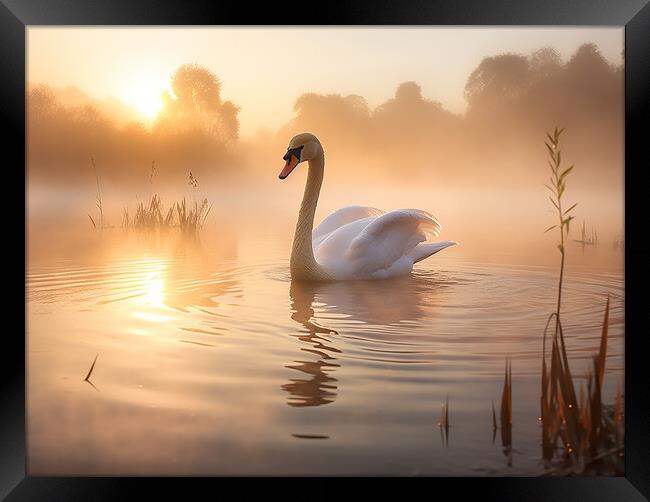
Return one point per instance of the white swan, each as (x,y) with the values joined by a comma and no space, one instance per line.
(354,242)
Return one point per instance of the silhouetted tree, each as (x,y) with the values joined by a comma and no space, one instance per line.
(41,102)
(196,89)
(497,79)
(545,63)
(196,107)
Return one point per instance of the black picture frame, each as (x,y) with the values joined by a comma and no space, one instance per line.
(16,15)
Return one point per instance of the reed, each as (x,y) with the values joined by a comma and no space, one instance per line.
(443,423)
(586,238)
(558,401)
(192,219)
(90,372)
(153,215)
(98,198)
(584,426)
(506,413)
(444,414)
(494,425)
(92,367)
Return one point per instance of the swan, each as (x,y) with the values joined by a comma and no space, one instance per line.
(354,242)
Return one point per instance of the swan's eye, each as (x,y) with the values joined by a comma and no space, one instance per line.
(302,146)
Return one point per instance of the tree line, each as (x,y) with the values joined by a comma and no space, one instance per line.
(512,99)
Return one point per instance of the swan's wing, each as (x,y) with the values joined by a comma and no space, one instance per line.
(342,217)
(330,249)
(391,237)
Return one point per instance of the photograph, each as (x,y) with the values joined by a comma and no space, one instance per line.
(325,251)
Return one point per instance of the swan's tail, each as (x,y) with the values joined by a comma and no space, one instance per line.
(422,251)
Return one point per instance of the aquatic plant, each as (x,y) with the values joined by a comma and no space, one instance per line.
(586,238)
(92,367)
(98,199)
(152,215)
(193,219)
(152,173)
(558,393)
(90,372)
(494,423)
(443,423)
(506,413)
(581,425)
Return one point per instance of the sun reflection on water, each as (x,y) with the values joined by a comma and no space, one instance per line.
(150,306)
(154,287)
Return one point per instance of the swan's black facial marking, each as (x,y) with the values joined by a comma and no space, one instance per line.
(296,152)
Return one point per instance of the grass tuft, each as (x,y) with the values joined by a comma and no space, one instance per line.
(193,219)
(153,215)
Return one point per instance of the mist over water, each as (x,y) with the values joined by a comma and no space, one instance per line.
(211,361)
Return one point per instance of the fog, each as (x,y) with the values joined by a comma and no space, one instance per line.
(512,100)
(481,173)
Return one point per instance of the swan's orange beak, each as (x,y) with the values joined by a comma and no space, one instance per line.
(292,158)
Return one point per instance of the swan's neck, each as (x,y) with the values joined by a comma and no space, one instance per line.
(303,263)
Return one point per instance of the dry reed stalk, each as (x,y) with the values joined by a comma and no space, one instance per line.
(618,416)
(443,423)
(90,372)
(602,354)
(98,198)
(506,407)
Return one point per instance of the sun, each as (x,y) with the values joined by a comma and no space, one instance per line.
(146,96)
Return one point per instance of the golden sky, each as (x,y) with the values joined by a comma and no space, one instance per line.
(264,70)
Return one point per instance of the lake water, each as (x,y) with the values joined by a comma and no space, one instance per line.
(210,360)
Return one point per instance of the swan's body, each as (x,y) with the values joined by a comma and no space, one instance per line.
(354,242)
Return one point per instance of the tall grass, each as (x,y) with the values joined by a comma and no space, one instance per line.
(191,220)
(579,425)
(590,433)
(153,215)
(558,395)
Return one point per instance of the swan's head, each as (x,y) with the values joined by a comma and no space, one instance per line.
(302,147)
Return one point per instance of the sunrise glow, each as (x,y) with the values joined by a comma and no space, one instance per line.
(146,96)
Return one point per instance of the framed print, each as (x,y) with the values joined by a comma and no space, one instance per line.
(395,241)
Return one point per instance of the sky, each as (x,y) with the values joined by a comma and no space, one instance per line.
(264,70)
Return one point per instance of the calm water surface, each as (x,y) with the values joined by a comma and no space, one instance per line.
(210,360)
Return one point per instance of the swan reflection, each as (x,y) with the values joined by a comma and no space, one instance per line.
(318,387)
(369,307)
